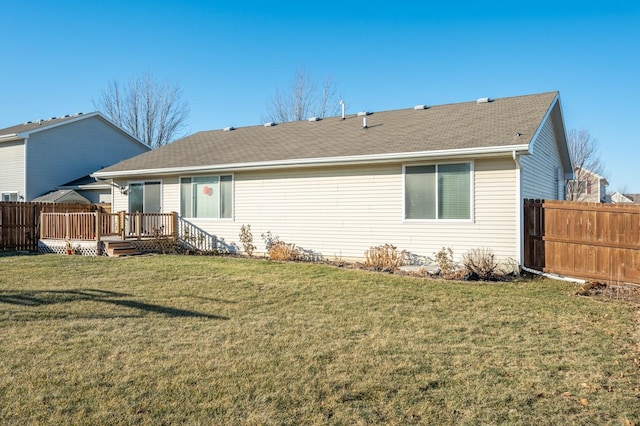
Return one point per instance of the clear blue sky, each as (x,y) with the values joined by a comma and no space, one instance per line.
(230,57)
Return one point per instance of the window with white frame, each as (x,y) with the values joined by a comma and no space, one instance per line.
(438,191)
(206,197)
(9,196)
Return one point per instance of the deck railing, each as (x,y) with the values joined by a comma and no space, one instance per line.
(94,225)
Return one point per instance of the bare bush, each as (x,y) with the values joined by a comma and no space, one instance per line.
(280,250)
(481,262)
(384,258)
(444,259)
(246,238)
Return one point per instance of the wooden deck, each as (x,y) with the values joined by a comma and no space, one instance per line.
(92,232)
(98,233)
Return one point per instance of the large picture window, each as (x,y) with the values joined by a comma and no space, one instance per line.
(206,196)
(438,191)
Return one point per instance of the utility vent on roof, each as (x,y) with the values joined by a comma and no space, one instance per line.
(363,113)
(28,122)
(228,129)
(314,119)
(484,100)
(77,114)
(417,107)
(269,124)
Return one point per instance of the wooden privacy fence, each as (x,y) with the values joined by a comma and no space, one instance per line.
(19,222)
(583,240)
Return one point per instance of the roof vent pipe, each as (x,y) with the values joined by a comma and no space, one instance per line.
(483,100)
(342,105)
(228,129)
(364,122)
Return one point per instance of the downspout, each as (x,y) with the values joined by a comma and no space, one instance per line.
(519,209)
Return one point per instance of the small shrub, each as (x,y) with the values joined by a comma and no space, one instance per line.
(280,250)
(383,258)
(246,238)
(444,259)
(481,262)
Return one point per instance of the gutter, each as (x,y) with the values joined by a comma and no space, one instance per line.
(328,161)
(11,137)
(519,209)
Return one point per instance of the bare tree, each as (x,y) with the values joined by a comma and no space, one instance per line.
(303,100)
(585,155)
(153,112)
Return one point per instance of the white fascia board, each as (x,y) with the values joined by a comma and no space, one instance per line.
(328,161)
(542,122)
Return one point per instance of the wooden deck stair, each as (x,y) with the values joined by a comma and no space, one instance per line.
(120,248)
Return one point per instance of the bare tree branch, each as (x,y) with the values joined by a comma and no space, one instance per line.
(585,155)
(153,112)
(302,100)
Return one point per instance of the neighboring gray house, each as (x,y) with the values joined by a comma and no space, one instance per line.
(420,178)
(97,192)
(63,196)
(37,157)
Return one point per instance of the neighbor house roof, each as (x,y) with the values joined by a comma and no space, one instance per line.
(62,196)
(24,130)
(473,128)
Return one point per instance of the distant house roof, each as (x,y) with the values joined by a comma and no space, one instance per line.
(603,180)
(470,128)
(86,182)
(22,131)
(62,196)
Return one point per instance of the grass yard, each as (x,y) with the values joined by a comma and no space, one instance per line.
(210,340)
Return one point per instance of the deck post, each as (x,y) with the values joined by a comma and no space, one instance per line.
(122,224)
(174,225)
(138,224)
(66,226)
(98,226)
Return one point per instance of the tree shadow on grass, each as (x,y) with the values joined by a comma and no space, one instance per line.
(36,298)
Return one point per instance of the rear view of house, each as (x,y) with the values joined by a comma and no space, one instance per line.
(37,157)
(420,178)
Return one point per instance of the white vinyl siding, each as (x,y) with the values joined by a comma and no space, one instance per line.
(342,211)
(12,163)
(540,169)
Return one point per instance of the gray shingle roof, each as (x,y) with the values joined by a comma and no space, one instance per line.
(37,124)
(461,126)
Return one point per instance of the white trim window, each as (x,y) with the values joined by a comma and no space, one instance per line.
(9,196)
(206,197)
(438,191)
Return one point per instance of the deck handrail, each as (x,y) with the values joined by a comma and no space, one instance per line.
(94,225)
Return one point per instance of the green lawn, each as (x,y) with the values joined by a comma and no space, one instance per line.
(211,340)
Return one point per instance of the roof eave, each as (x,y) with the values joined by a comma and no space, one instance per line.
(325,161)
(11,137)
